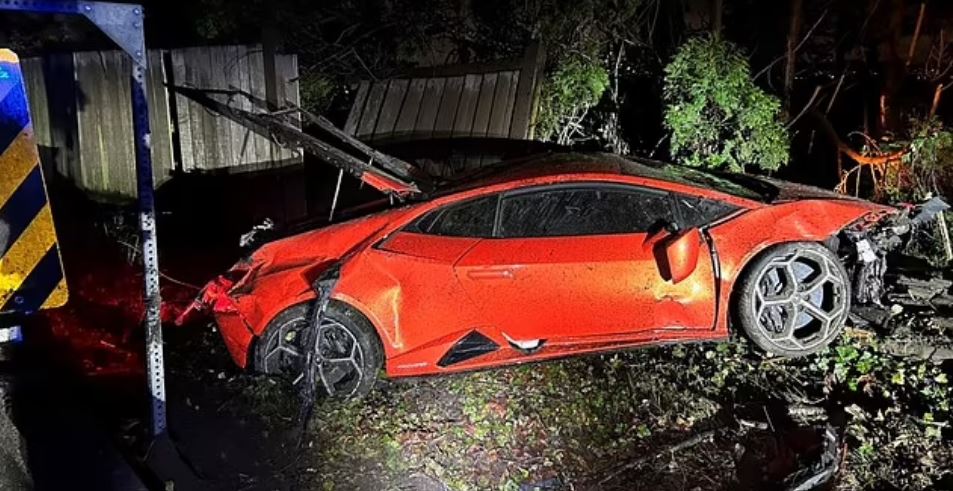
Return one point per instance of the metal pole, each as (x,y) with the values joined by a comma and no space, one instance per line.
(155,369)
(123,23)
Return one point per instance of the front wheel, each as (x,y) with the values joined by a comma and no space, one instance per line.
(794,299)
(347,352)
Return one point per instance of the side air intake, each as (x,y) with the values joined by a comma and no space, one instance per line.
(470,346)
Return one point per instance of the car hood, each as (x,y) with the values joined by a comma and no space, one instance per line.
(326,243)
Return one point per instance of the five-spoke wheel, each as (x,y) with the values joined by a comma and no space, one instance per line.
(794,299)
(344,349)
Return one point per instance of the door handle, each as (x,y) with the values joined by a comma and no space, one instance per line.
(491,274)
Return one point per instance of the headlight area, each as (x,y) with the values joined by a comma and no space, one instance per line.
(215,296)
(239,278)
(866,244)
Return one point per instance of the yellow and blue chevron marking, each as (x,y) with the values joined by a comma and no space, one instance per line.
(31,270)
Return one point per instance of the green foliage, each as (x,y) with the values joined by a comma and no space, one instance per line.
(901,407)
(579,37)
(931,145)
(929,157)
(572,88)
(862,366)
(717,116)
(317,91)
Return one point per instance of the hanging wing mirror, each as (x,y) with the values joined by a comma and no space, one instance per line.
(681,254)
(676,252)
(658,234)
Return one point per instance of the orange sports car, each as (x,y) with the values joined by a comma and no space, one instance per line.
(552,256)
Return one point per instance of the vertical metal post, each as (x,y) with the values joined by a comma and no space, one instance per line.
(155,365)
(123,23)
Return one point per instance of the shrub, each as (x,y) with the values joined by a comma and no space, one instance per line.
(567,94)
(717,117)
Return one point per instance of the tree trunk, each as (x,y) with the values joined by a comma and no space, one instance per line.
(716,13)
(937,94)
(916,35)
(894,69)
(794,30)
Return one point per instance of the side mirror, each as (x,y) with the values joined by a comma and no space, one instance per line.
(676,254)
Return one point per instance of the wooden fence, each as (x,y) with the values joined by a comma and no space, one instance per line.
(475,100)
(211,142)
(82,115)
(82,118)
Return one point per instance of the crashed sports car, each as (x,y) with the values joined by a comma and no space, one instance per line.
(553,256)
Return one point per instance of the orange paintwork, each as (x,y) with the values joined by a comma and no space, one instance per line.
(579,294)
(680,254)
(741,239)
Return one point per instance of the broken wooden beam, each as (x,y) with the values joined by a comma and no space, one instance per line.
(395,179)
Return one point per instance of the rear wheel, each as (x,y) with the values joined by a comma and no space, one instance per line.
(794,299)
(347,352)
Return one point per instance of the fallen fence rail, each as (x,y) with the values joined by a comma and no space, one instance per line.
(393,176)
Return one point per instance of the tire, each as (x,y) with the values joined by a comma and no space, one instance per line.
(793,299)
(351,352)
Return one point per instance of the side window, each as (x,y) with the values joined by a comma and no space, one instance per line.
(582,211)
(696,211)
(469,219)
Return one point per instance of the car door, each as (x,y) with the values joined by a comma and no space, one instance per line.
(567,264)
(409,277)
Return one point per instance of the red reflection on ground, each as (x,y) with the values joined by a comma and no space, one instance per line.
(100,330)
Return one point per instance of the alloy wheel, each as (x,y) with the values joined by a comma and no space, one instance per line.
(800,300)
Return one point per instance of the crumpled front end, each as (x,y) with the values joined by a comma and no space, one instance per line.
(245,298)
(865,245)
(279,275)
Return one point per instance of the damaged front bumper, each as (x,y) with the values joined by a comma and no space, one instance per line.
(865,245)
(217,295)
(221,299)
(248,296)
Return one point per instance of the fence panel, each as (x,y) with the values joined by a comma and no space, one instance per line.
(82,105)
(495,100)
(211,142)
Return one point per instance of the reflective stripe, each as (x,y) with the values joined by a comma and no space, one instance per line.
(38,286)
(26,253)
(31,273)
(21,208)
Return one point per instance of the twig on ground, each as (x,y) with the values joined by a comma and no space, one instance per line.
(671,449)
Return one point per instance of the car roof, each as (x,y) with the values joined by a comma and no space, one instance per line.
(555,164)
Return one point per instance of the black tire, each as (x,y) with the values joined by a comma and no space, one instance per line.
(281,352)
(793,299)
